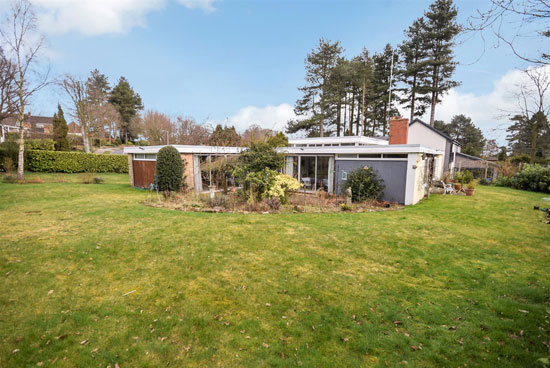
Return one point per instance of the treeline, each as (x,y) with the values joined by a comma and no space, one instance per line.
(157,128)
(357,96)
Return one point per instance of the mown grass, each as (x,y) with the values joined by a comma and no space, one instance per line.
(453,281)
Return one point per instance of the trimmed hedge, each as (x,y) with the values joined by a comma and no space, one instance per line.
(75,162)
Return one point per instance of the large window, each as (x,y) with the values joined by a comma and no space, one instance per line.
(314,172)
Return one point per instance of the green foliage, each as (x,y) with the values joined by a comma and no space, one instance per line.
(467,177)
(40,144)
(346,207)
(462,129)
(9,150)
(365,184)
(75,162)
(169,169)
(258,157)
(60,130)
(224,136)
(313,105)
(281,187)
(535,178)
(277,140)
(258,183)
(127,103)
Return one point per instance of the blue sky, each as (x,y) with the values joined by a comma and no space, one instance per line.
(241,62)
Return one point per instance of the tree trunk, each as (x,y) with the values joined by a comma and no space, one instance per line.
(345,112)
(413,96)
(351,114)
(363,106)
(85,140)
(21,155)
(534,135)
(435,85)
(338,117)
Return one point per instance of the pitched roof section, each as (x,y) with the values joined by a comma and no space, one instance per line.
(29,119)
(435,130)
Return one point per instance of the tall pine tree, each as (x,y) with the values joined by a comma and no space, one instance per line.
(441,28)
(314,104)
(383,85)
(414,70)
(128,104)
(60,130)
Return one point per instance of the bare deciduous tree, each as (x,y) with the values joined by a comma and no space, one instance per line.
(511,21)
(22,42)
(8,87)
(187,131)
(533,104)
(157,128)
(76,89)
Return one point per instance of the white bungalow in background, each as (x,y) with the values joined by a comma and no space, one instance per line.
(322,163)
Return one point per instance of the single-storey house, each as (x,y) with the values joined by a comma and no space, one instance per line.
(321,163)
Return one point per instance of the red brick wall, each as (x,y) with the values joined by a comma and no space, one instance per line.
(399,131)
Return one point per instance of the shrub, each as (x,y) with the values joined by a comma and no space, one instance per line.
(75,162)
(281,187)
(169,170)
(483,181)
(40,144)
(346,207)
(533,177)
(258,157)
(258,183)
(503,181)
(467,177)
(365,184)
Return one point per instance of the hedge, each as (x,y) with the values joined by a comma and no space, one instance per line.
(75,162)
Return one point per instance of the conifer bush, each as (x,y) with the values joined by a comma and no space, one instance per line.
(169,170)
(365,184)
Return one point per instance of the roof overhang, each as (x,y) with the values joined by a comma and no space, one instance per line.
(220,150)
(390,148)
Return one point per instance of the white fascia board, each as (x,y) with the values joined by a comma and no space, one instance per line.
(392,148)
(335,140)
(187,149)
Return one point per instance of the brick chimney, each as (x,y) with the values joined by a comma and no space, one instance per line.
(399,130)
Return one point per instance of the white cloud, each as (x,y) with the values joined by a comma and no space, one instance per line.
(270,117)
(96,17)
(488,111)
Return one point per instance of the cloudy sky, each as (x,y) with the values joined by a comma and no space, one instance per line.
(240,62)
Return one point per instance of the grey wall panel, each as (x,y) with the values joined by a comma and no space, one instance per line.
(394,174)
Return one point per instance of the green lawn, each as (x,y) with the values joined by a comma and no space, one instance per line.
(452,281)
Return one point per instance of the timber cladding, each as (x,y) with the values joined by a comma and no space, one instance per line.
(144,173)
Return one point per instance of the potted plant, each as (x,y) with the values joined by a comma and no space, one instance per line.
(470,188)
(457,181)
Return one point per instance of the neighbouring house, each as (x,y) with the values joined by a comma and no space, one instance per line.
(320,163)
(74,129)
(426,135)
(34,125)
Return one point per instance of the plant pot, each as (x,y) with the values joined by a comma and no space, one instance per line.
(457,186)
(469,192)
